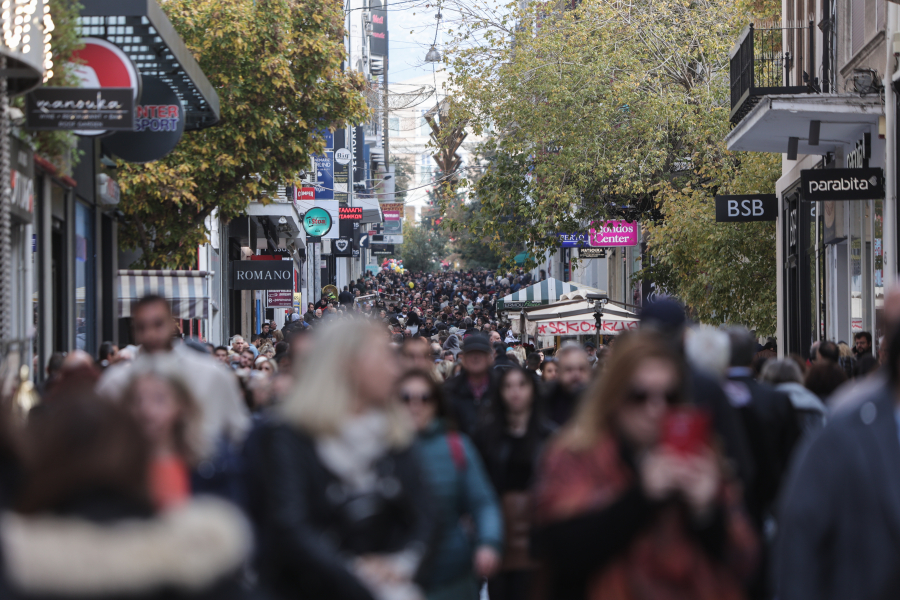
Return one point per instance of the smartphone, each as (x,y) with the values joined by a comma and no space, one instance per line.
(687,430)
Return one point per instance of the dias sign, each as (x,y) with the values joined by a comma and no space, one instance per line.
(262,275)
(316,222)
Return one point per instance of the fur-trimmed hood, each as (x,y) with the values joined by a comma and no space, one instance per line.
(189,548)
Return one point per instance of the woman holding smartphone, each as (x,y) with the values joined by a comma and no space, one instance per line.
(633,499)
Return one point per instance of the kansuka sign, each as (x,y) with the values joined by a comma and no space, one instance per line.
(584,327)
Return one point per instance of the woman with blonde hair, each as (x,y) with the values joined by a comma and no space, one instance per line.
(633,499)
(347,514)
(170,418)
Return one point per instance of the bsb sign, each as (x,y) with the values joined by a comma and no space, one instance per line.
(262,275)
(745,209)
(841,184)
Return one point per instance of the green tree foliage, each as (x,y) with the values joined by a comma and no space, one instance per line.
(276,65)
(612,109)
(422,248)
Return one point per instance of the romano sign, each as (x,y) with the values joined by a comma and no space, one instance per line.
(262,275)
(841,184)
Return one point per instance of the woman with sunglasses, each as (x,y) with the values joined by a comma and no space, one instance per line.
(461,488)
(511,444)
(633,499)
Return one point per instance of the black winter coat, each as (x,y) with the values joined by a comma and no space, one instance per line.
(468,412)
(311,528)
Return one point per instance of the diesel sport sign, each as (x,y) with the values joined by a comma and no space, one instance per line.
(262,275)
(841,184)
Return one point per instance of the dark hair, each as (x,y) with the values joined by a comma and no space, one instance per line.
(863,334)
(829,351)
(743,346)
(281,347)
(533,360)
(497,426)
(105,350)
(437,395)
(823,378)
(150,300)
(82,445)
(217,348)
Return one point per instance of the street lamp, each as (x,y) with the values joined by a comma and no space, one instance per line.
(433,55)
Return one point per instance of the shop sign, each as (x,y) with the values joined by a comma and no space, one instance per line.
(351,213)
(279,299)
(324,176)
(262,275)
(343,246)
(615,233)
(21,178)
(841,184)
(747,208)
(379,43)
(592,253)
(609,233)
(382,249)
(858,158)
(522,304)
(158,125)
(93,110)
(586,327)
(317,222)
(342,158)
(387,239)
(101,64)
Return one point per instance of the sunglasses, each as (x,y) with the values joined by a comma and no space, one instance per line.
(640,396)
(425,398)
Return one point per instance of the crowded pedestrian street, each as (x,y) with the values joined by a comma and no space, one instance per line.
(449,300)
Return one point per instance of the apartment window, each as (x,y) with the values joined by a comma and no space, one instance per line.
(394,125)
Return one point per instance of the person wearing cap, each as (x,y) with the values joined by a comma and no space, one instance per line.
(591,349)
(469,393)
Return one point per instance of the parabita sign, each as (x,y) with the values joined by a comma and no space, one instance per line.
(262,275)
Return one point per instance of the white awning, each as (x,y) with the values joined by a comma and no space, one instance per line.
(843,119)
(186,291)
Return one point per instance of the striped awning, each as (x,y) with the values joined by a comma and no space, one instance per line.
(186,291)
(539,294)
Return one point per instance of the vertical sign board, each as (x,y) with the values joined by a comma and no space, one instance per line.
(324,176)
(746,208)
(342,158)
(393,215)
(379,45)
(359,160)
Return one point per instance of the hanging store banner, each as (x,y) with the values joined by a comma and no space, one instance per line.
(351,213)
(158,125)
(342,158)
(615,233)
(90,110)
(279,299)
(317,222)
(324,176)
(102,64)
(592,253)
(262,275)
(747,208)
(841,184)
(379,44)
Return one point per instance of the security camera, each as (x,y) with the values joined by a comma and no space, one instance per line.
(597,297)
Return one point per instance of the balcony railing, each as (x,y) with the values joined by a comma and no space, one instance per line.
(771,60)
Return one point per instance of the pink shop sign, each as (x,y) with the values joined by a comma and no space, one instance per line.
(615,233)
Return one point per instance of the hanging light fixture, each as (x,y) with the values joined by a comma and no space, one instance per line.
(433,55)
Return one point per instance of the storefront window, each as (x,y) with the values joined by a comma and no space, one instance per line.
(85,282)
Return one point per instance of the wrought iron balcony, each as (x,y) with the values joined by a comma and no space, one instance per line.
(770,60)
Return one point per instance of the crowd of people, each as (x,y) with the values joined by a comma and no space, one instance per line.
(402,443)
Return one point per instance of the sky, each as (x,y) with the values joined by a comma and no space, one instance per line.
(411,24)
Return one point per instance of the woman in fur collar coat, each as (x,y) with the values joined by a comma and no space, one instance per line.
(85,528)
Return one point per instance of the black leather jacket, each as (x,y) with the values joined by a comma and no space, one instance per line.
(311,528)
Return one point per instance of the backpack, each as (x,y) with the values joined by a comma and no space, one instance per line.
(457,450)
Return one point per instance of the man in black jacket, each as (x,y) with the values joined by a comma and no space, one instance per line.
(573,375)
(769,423)
(346,297)
(470,392)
